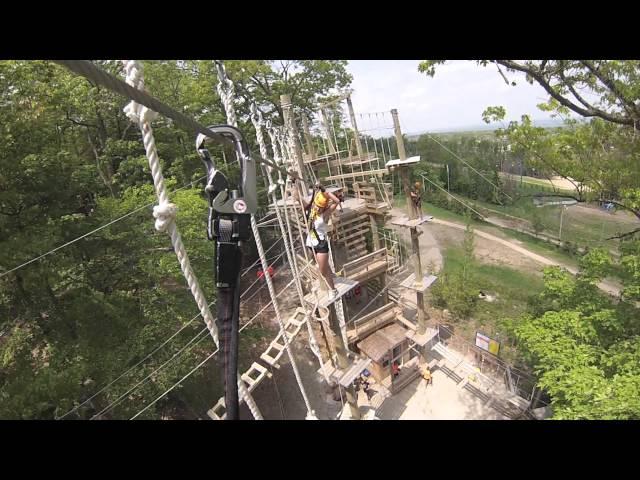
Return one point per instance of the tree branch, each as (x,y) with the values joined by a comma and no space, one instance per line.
(76,122)
(624,235)
(590,112)
(573,91)
(501,73)
(611,85)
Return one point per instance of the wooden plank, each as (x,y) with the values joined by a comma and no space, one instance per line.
(369,258)
(251,381)
(343,285)
(218,411)
(354,227)
(406,322)
(367,173)
(372,321)
(346,221)
(372,271)
(356,234)
(355,241)
(427,281)
(352,373)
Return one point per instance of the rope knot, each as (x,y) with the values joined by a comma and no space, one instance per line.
(139,113)
(165,214)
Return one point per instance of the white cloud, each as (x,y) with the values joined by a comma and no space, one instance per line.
(455,97)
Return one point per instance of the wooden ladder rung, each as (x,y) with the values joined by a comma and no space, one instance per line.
(273,358)
(252,382)
(218,411)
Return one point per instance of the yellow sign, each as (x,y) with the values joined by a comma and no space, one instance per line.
(494,347)
(486,343)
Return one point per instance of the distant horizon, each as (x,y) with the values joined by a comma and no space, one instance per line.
(453,100)
(540,122)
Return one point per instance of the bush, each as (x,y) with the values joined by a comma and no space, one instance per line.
(450,292)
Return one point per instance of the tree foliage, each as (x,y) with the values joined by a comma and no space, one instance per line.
(583,344)
(70,162)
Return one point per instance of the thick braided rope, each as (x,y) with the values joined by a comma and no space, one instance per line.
(165,212)
(276,155)
(313,342)
(225,89)
(280,144)
(288,147)
(258,122)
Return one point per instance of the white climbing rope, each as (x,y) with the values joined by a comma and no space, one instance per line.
(256,119)
(165,212)
(226,89)
(290,248)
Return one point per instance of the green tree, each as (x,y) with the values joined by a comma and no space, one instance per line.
(584,345)
(612,86)
(70,161)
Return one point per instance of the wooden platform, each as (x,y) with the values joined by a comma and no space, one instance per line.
(343,285)
(422,340)
(363,174)
(371,322)
(407,323)
(358,161)
(399,163)
(354,372)
(320,158)
(427,281)
(406,222)
(366,267)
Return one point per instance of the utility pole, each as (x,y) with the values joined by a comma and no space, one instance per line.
(290,124)
(352,115)
(448,179)
(327,130)
(411,211)
(307,137)
(562,209)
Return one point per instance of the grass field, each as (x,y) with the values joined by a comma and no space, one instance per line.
(511,288)
(583,226)
(536,245)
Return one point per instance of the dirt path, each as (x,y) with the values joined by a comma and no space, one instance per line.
(488,252)
(606,286)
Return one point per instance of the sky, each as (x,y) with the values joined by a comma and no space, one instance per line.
(454,98)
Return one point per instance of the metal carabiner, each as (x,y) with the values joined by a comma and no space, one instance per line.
(242,200)
(236,205)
